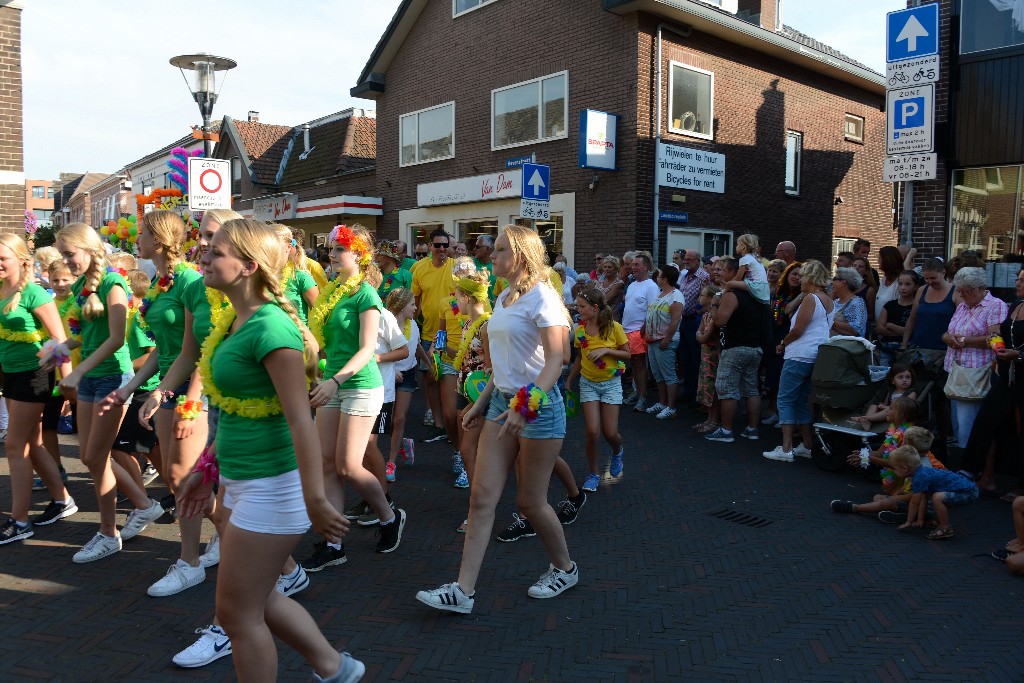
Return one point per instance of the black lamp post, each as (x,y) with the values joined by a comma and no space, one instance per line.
(204,86)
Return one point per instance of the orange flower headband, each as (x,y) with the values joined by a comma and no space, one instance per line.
(343,236)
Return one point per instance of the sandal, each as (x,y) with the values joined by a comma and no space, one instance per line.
(700,425)
(940,533)
(708,427)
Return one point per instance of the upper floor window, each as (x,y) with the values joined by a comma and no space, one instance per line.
(463,6)
(427,135)
(236,176)
(853,128)
(990,24)
(49,192)
(691,100)
(38,192)
(533,111)
(794,152)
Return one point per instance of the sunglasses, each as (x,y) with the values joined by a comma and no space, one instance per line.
(440,245)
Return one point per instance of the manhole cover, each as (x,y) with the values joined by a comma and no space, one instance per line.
(737,517)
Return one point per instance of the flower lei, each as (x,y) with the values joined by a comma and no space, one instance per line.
(893,437)
(528,401)
(161,285)
(251,408)
(86,293)
(454,303)
(24,337)
(187,409)
(581,337)
(467,338)
(407,329)
(325,303)
(70,313)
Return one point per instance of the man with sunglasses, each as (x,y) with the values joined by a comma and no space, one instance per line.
(432,284)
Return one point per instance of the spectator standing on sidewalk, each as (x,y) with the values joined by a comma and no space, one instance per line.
(639,295)
(661,331)
(692,281)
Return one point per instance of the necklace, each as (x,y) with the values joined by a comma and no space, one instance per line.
(325,303)
(159,286)
(467,338)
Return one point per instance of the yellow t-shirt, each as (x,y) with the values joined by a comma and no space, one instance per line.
(434,286)
(501,284)
(317,271)
(589,369)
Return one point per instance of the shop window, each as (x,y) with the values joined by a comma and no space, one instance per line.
(38,192)
(987,212)
(853,128)
(691,100)
(427,135)
(990,25)
(794,153)
(468,230)
(550,232)
(460,7)
(530,112)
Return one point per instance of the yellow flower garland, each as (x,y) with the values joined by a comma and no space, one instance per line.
(325,303)
(23,337)
(407,329)
(252,408)
(467,339)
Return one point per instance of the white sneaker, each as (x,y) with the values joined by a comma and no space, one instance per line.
(293,583)
(801,451)
(666,413)
(213,644)
(554,582)
(779,454)
(140,519)
(3,435)
(630,399)
(641,405)
(211,558)
(180,576)
(98,547)
(428,418)
(449,597)
(655,409)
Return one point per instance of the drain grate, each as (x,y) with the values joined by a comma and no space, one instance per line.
(737,517)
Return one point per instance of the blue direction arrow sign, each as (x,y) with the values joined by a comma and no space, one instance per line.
(912,33)
(537,182)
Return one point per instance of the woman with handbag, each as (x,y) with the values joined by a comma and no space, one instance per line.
(968,356)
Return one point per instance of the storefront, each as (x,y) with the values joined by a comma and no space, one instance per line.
(316,217)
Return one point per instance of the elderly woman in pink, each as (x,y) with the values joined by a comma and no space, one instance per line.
(967,338)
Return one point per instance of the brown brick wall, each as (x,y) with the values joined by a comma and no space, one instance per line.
(12,197)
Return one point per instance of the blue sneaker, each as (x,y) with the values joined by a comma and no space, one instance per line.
(615,467)
(720,434)
(462,481)
(65,425)
(591,482)
(457,465)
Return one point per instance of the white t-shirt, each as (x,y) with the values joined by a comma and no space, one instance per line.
(639,296)
(513,334)
(414,341)
(885,294)
(755,269)
(389,338)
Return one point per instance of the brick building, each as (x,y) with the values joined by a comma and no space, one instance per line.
(762,129)
(312,176)
(78,207)
(976,201)
(39,200)
(12,156)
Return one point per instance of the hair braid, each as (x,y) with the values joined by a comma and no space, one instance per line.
(273,285)
(26,276)
(93,307)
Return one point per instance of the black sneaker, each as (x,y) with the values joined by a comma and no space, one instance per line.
(324,556)
(391,534)
(438,435)
(890,517)
(12,531)
(570,508)
(520,528)
(358,510)
(841,506)
(55,511)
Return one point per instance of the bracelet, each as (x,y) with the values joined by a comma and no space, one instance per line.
(528,401)
(189,410)
(208,466)
(865,459)
(162,395)
(336,382)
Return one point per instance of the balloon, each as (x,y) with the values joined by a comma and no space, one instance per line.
(133,218)
(322,365)
(104,230)
(111,223)
(133,231)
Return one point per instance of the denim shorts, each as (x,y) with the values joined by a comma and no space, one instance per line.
(408,383)
(95,389)
(608,391)
(212,421)
(550,422)
(954,498)
(425,345)
(447,368)
(358,402)
(663,363)
(737,373)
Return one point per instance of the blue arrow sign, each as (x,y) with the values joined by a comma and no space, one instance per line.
(537,182)
(912,33)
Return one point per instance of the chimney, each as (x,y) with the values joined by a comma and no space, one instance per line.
(305,139)
(254,117)
(764,13)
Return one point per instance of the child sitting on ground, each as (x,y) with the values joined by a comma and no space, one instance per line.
(751,276)
(946,489)
(899,380)
(902,414)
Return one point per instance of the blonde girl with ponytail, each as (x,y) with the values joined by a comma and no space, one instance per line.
(28,318)
(402,304)
(102,299)
(299,286)
(254,367)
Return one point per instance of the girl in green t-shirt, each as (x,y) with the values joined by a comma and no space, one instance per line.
(270,462)
(345,321)
(298,285)
(102,299)
(28,316)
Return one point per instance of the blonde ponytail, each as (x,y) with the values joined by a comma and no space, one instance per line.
(20,251)
(84,237)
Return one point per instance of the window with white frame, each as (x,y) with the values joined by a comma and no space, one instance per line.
(529,112)
(841,244)
(463,6)
(794,153)
(691,100)
(236,176)
(427,135)
(853,128)
(38,191)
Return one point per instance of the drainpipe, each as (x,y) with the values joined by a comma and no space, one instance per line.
(656,246)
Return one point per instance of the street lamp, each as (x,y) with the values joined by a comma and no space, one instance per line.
(204,86)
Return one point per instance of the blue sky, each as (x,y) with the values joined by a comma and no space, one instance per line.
(99,92)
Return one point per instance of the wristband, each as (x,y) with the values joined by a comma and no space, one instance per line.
(441,339)
(162,395)
(51,350)
(528,401)
(336,382)
(189,410)
(208,466)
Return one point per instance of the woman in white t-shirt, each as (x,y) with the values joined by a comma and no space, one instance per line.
(525,419)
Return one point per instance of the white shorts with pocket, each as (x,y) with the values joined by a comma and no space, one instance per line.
(271,505)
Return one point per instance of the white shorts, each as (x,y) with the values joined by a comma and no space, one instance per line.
(272,505)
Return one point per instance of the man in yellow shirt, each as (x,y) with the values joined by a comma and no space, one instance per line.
(432,284)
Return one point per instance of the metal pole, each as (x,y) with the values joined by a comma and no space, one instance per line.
(906,225)
(656,242)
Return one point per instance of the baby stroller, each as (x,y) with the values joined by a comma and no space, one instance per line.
(844,382)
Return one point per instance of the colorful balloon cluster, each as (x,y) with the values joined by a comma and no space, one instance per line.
(123,229)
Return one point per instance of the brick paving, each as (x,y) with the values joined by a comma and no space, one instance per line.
(672,585)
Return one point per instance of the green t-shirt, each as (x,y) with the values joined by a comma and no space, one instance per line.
(97,330)
(298,284)
(341,337)
(166,318)
(408,263)
(198,304)
(253,448)
(139,345)
(397,278)
(18,356)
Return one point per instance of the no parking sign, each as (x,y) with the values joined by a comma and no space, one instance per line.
(209,184)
